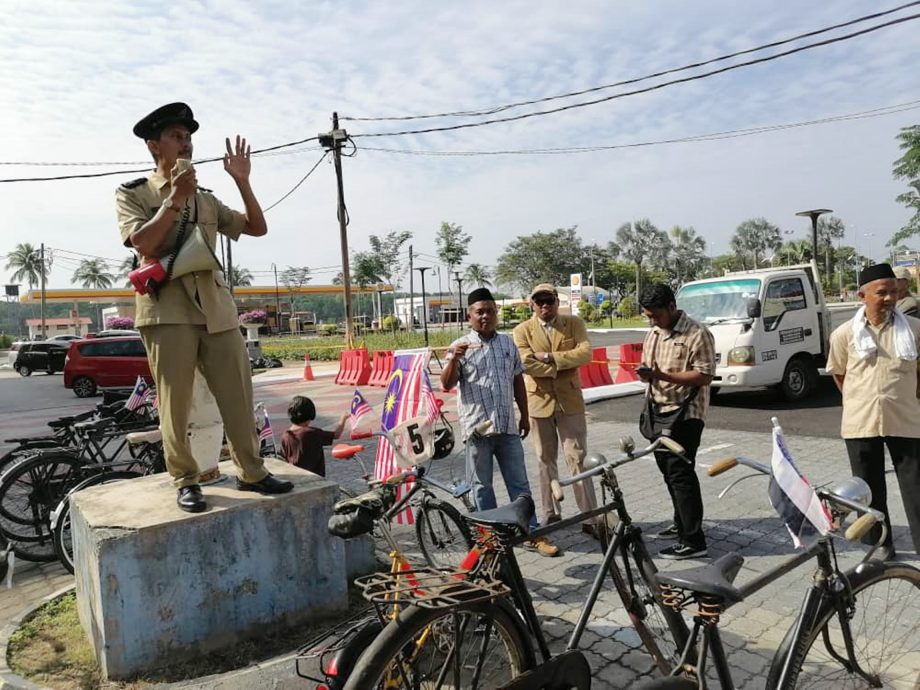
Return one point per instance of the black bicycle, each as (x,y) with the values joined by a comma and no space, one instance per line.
(476,626)
(857,628)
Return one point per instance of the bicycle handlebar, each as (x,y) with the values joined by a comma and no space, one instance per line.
(626,442)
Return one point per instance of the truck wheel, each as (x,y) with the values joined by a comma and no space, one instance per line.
(798,379)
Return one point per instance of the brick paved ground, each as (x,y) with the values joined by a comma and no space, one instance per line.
(742,521)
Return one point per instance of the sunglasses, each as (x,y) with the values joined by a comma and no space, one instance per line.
(544,301)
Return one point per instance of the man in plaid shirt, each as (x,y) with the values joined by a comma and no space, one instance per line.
(678,363)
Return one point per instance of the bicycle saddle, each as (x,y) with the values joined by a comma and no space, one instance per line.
(343,451)
(515,514)
(714,579)
(151,436)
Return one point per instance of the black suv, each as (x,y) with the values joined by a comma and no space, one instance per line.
(41,356)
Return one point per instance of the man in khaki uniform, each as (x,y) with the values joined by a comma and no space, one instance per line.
(191,320)
(907,303)
(877,374)
(552,347)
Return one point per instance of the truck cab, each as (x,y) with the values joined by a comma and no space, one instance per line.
(771,327)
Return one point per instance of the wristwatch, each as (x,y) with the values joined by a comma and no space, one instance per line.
(168,203)
(546,356)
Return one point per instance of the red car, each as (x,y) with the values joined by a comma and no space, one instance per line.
(105,363)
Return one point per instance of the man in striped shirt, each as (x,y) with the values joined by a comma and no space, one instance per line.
(488,369)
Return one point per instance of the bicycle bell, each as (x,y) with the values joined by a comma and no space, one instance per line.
(627,445)
(853,489)
(594,460)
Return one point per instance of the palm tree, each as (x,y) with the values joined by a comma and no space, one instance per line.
(479,275)
(640,242)
(688,252)
(26,261)
(128,264)
(93,273)
(754,237)
(240,276)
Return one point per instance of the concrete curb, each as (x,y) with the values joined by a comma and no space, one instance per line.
(617,390)
(8,679)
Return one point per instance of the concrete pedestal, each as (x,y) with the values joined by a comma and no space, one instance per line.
(157,586)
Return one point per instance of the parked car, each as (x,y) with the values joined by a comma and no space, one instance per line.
(112,333)
(113,362)
(40,356)
(14,351)
(63,338)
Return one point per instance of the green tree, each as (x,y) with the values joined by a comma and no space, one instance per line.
(907,167)
(93,273)
(754,238)
(794,252)
(294,277)
(26,263)
(688,253)
(452,245)
(830,228)
(240,277)
(478,275)
(368,268)
(725,263)
(641,243)
(128,264)
(389,249)
(543,257)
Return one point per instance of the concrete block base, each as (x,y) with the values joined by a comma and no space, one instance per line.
(157,586)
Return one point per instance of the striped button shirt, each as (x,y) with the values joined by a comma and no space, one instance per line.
(688,346)
(486,382)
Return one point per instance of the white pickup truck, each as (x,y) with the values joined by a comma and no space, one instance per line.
(771,326)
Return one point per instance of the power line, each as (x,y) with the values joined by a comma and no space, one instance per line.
(302,180)
(147,169)
(712,136)
(656,87)
(501,108)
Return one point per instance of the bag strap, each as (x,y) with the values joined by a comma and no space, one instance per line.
(648,391)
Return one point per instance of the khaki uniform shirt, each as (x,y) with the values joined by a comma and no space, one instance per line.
(688,346)
(908,305)
(202,297)
(880,391)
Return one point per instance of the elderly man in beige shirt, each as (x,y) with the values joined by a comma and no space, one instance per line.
(873,359)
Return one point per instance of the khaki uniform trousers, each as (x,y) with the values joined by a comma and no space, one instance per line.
(547,432)
(174,351)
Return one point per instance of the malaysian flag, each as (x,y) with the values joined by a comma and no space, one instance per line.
(432,407)
(359,411)
(401,408)
(138,395)
(792,496)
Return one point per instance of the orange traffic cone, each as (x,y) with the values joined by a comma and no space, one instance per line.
(307,369)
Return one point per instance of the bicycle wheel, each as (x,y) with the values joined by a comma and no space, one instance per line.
(473,646)
(885,630)
(662,629)
(19,453)
(442,534)
(63,545)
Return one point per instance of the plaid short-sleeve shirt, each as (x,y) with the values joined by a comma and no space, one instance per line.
(688,346)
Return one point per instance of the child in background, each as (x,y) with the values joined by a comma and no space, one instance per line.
(302,444)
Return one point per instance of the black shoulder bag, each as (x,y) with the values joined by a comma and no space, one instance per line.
(652,421)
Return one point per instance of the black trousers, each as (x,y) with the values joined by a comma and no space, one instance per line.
(683,484)
(867,460)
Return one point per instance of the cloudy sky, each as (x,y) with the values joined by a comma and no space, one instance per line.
(75,76)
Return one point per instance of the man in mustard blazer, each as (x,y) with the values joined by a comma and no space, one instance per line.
(552,347)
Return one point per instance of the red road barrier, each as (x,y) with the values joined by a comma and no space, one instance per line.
(630,358)
(354,368)
(596,372)
(381,368)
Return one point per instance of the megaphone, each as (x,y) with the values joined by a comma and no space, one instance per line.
(195,254)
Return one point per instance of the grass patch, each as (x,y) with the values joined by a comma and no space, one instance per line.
(51,648)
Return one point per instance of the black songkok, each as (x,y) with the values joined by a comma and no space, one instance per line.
(876,272)
(479,295)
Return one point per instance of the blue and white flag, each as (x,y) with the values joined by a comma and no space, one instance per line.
(792,497)
(139,395)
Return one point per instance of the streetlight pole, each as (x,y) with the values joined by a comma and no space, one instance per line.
(459,299)
(277,299)
(814,214)
(422,269)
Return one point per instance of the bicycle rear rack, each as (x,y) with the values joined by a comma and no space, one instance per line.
(429,588)
(330,642)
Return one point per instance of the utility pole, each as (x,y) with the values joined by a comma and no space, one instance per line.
(459,300)
(421,270)
(411,325)
(277,300)
(440,293)
(593,282)
(41,259)
(229,265)
(333,142)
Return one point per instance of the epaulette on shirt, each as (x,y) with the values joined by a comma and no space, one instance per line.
(205,189)
(134,183)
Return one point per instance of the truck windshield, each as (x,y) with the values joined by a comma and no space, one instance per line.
(719,301)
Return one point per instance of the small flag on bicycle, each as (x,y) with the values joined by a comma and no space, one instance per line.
(792,497)
(432,408)
(360,411)
(138,395)
(264,429)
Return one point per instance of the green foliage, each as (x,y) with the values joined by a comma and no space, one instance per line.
(522,313)
(543,257)
(327,329)
(93,273)
(478,275)
(390,248)
(390,323)
(26,264)
(5,341)
(605,308)
(240,276)
(687,254)
(754,239)
(506,312)
(907,167)
(628,307)
(328,349)
(642,244)
(586,310)
(452,244)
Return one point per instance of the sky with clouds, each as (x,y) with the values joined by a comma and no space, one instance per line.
(76,76)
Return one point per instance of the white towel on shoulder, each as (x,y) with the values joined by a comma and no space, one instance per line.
(905,342)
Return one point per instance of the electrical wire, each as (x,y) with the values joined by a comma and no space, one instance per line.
(142,170)
(302,180)
(501,108)
(635,92)
(712,136)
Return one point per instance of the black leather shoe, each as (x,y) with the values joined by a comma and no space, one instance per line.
(269,485)
(190,499)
